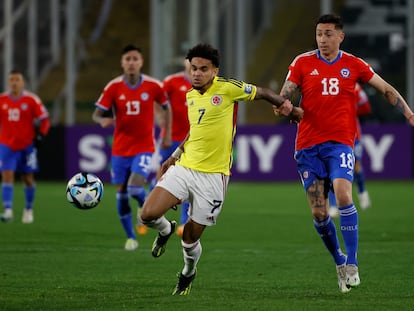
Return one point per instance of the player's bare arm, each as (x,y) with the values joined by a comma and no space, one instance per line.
(283,105)
(392,96)
(166,121)
(98,117)
(289,89)
(173,157)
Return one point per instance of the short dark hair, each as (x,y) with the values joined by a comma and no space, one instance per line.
(16,71)
(206,51)
(130,47)
(331,19)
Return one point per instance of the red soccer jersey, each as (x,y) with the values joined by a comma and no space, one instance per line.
(176,87)
(17,118)
(133,108)
(363,107)
(327,96)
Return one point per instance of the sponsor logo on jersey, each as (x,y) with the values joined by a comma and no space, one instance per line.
(24,106)
(216,100)
(345,72)
(122,97)
(314,72)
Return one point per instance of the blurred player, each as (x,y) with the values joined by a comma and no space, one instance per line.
(199,169)
(325,139)
(176,87)
(131,97)
(363,108)
(24,121)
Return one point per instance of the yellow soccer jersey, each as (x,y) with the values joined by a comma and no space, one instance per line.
(212,117)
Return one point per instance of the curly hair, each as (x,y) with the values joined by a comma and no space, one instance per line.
(206,51)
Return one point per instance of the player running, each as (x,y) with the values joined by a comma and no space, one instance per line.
(326,78)
(199,169)
(131,98)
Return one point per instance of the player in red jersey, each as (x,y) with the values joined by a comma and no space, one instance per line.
(363,108)
(131,98)
(176,86)
(24,121)
(325,138)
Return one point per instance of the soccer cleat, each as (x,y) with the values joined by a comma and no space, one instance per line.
(158,247)
(131,244)
(7,216)
(352,276)
(183,286)
(180,230)
(141,229)
(333,211)
(364,200)
(342,278)
(27,217)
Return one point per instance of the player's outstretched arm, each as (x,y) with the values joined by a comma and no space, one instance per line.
(283,105)
(392,96)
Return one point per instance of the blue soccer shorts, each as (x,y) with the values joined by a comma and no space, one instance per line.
(22,161)
(122,167)
(328,160)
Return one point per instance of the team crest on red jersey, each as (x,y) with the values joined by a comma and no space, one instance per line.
(345,72)
(144,96)
(216,100)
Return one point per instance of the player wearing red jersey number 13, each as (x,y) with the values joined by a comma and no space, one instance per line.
(131,98)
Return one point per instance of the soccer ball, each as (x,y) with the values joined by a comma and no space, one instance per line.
(84,190)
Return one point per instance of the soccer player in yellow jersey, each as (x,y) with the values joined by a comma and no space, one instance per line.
(199,169)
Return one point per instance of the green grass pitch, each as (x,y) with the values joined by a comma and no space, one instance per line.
(263,254)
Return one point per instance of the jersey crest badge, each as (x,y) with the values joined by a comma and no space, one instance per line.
(24,106)
(216,100)
(345,72)
(144,96)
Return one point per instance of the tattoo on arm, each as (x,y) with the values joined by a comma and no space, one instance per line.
(395,100)
(288,89)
